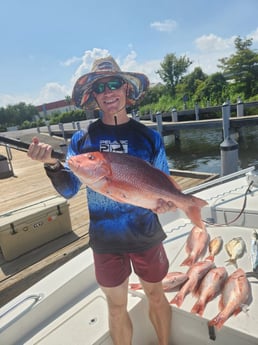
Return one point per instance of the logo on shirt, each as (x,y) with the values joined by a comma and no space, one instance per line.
(114,146)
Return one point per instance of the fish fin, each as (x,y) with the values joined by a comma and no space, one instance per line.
(189,261)
(231,262)
(237,311)
(172,288)
(198,308)
(218,321)
(135,286)
(178,299)
(209,258)
(194,214)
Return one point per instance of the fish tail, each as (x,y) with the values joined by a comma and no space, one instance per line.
(178,299)
(194,214)
(209,258)
(232,262)
(218,321)
(135,286)
(189,261)
(198,308)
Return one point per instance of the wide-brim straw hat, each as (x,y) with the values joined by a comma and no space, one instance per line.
(82,95)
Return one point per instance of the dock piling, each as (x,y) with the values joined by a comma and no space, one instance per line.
(159,122)
(240,107)
(229,147)
(174,115)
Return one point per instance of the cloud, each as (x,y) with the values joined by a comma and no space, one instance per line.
(51,92)
(166,25)
(212,42)
(86,62)
(7,99)
(211,48)
(70,61)
(254,36)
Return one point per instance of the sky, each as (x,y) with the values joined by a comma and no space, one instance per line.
(46,45)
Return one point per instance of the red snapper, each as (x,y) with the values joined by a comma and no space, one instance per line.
(131,180)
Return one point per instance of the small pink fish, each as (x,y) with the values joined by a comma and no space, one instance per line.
(210,287)
(235,294)
(171,281)
(195,273)
(196,245)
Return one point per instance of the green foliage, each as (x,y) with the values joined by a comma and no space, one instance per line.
(241,68)
(239,78)
(14,115)
(172,71)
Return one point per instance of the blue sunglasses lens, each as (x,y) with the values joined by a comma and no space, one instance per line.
(113,84)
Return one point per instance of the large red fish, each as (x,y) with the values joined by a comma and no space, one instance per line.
(196,245)
(210,287)
(131,180)
(195,273)
(235,294)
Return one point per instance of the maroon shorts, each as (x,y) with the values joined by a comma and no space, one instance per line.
(113,269)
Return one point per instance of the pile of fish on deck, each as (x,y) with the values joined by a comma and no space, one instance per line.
(206,281)
(125,178)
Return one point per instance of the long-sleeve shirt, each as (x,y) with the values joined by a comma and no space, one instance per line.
(116,227)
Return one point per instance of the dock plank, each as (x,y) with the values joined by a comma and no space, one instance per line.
(31,184)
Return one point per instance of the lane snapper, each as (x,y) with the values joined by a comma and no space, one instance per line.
(210,287)
(196,245)
(195,273)
(215,246)
(235,249)
(171,281)
(235,294)
(128,179)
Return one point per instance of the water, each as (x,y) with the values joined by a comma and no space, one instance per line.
(199,149)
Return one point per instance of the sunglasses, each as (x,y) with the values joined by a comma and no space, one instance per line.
(113,84)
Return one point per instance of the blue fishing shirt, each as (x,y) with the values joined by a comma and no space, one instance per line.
(116,227)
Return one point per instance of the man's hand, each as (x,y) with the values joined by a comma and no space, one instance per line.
(41,152)
(164,206)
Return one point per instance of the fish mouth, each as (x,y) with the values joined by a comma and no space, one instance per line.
(73,165)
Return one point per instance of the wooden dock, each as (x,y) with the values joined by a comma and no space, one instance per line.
(28,185)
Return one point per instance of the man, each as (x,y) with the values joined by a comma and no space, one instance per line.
(121,235)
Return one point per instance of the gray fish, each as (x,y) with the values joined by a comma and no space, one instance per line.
(235,249)
(254,251)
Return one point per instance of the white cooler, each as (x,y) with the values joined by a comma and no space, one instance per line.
(32,225)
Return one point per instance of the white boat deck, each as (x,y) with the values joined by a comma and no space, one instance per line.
(67,307)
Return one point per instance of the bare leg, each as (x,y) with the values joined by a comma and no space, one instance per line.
(160,311)
(120,324)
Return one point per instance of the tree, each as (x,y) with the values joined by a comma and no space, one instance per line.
(213,89)
(68,100)
(153,94)
(190,83)
(241,68)
(17,114)
(172,71)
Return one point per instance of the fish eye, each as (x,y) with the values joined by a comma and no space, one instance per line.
(91,157)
